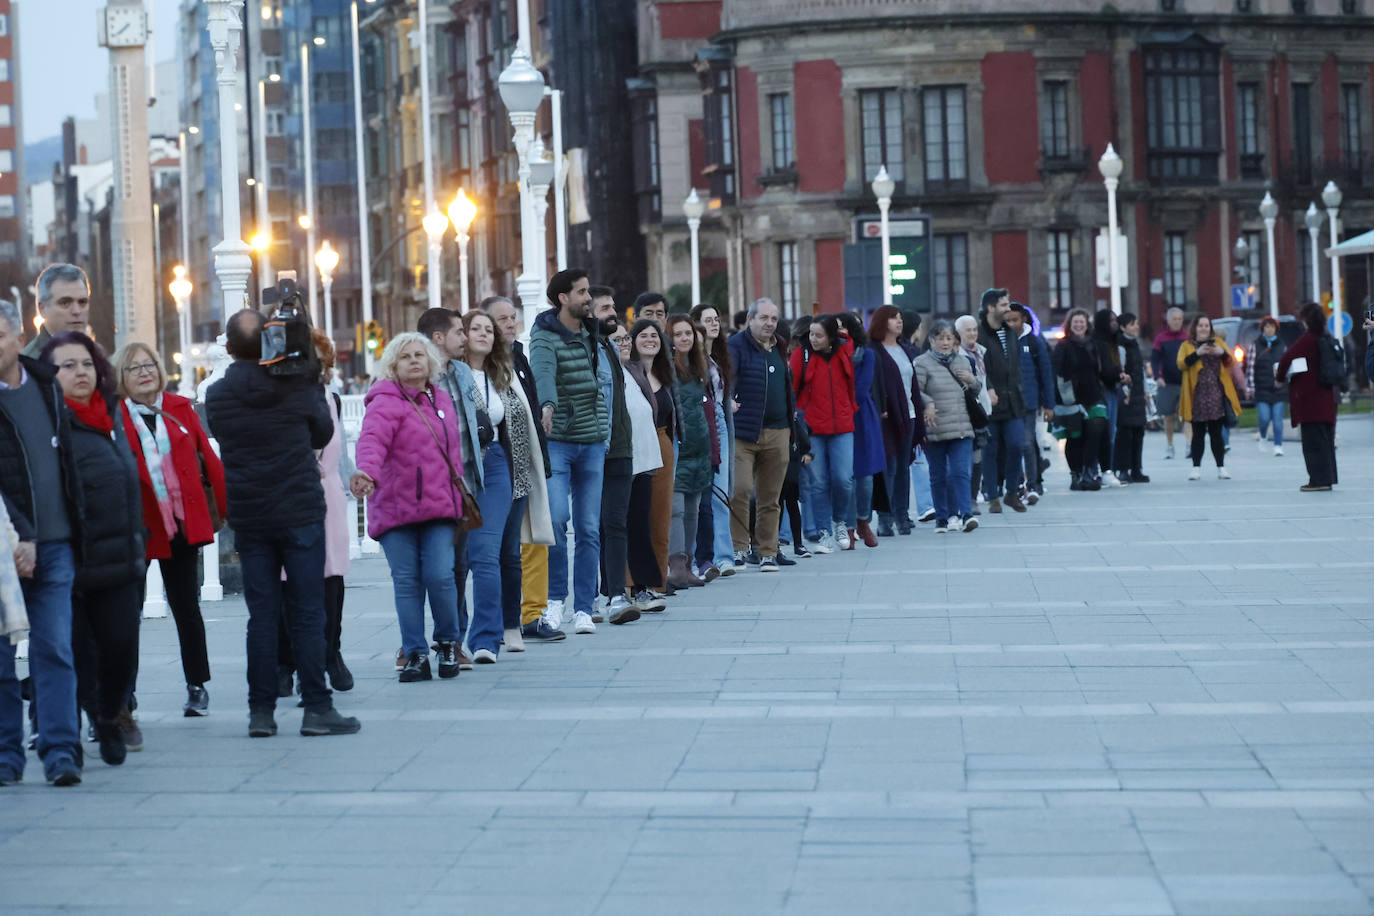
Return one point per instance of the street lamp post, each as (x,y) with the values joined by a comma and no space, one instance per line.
(262,239)
(883,187)
(461,213)
(541,179)
(326,259)
(1110,166)
(1269,211)
(1313,219)
(1331,196)
(427,145)
(434,225)
(560,199)
(522,89)
(364,248)
(233,265)
(308,153)
(693,208)
(180,288)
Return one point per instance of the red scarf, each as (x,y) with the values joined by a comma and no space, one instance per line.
(94,414)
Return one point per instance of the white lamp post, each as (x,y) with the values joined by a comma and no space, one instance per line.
(560,200)
(180,288)
(1313,219)
(326,259)
(883,187)
(522,89)
(261,241)
(427,146)
(1269,211)
(233,265)
(364,248)
(692,208)
(461,213)
(434,223)
(541,178)
(307,222)
(1331,196)
(1110,166)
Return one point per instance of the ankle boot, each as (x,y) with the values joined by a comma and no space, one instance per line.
(853,538)
(680,574)
(865,531)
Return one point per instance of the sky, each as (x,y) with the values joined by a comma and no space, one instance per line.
(65,31)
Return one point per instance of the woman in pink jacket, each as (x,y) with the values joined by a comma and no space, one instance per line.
(409,460)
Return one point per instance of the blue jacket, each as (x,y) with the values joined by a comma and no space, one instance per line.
(1037,373)
(459,383)
(751,385)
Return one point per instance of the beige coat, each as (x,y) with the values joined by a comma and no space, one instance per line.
(537,526)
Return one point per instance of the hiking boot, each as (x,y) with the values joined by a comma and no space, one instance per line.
(128,728)
(316,723)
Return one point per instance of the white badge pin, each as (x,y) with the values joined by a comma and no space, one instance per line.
(441,415)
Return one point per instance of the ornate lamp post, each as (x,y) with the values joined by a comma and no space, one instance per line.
(1331,197)
(326,259)
(1313,220)
(542,176)
(522,90)
(461,213)
(883,187)
(692,208)
(233,264)
(364,247)
(180,288)
(434,223)
(1110,166)
(1269,211)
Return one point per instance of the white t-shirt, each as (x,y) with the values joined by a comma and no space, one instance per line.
(905,367)
(491,400)
(645,452)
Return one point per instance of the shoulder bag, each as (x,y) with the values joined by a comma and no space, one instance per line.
(976,414)
(216,520)
(472,513)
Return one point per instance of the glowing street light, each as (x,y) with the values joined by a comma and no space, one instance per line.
(461,213)
(180,288)
(326,259)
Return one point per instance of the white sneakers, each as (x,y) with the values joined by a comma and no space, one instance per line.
(582,623)
(553,613)
(1195,474)
(841,536)
(927,516)
(1223,474)
(1111,480)
(1278,451)
(823,544)
(513,640)
(484,657)
(956,523)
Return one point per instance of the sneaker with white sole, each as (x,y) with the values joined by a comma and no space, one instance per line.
(956,523)
(768,564)
(582,623)
(1195,474)
(553,613)
(841,536)
(484,657)
(1223,474)
(968,523)
(726,568)
(1278,451)
(926,516)
(620,610)
(819,545)
(942,527)
(649,601)
(513,641)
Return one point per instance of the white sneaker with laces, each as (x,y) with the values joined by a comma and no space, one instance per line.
(513,640)
(1278,451)
(484,657)
(1195,474)
(819,545)
(582,623)
(553,613)
(1169,453)
(828,540)
(1223,474)
(1111,480)
(956,523)
(841,536)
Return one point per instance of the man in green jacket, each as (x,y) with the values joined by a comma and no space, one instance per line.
(565,356)
(64,303)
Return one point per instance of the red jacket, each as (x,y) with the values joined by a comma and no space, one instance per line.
(188,439)
(1312,402)
(825,389)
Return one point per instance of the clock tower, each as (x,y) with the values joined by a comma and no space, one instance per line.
(123,26)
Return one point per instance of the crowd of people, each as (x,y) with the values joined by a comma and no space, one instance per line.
(675,450)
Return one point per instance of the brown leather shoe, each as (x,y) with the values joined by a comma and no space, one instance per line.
(680,574)
(1015,503)
(995,506)
(865,531)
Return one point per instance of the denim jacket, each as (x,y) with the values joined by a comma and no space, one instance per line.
(458,382)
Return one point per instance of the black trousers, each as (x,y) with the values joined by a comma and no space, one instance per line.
(1319,451)
(333,625)
(181,578)
(105,646)
(791,501)
(615,512)
(1130,449)
(643,564)
(1082,453)
(1212,430)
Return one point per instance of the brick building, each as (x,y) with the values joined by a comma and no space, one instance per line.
(12,222)
(990,116)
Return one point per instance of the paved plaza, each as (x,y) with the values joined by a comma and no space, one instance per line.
(1146,701)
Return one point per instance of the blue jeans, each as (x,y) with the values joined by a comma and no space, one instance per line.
(48,599)
(861,506)
(1002,457)
(1271,415)
(576,482)
(263,556)
(421,559)
(484,553)
(1109,446)
(721,544)
(920,482)
(830,479)
(951,462)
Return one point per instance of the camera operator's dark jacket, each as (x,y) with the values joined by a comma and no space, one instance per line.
(268,429)
(16,481)
(1004,371)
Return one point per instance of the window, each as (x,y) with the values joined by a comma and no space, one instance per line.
(1305,271)
(713,72)
(1175,269)
(276,122)
(6,116)
(880,118)
(4,24)
(788,299)
(780,114)
(7,210)
(950,272)
(1182,112)
(1247,130)
(6,160)
(1059,269)
(4,70)
(1054,121)
(644,143)
(1352,141)
(946,144)
(1302,132)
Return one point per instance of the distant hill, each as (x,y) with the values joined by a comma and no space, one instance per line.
(39,158)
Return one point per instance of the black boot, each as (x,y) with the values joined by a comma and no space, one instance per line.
(284,681)
(1076,482)
(340,678)
(112,749)
(316,723)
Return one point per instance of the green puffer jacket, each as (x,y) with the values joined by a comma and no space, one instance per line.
(565,377)
(694,472)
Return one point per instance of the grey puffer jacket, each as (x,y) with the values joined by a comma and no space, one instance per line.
(940,387)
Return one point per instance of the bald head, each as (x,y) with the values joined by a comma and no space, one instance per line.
(243,334)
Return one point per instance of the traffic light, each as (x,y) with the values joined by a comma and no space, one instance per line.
(375,338)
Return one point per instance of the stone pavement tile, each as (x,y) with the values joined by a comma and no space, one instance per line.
(732,780)
(1330,729)
(1064,865)
(1076,896)
(946,897)
(1167,733)
(1263,894)
(744,903)
(1249,778)
(1015,735)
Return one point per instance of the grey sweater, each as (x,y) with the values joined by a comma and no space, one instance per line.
(940,387)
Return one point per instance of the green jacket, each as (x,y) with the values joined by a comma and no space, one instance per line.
(565,377)
(34,348)
(694,472)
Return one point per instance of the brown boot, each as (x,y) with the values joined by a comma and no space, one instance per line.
(866,532)
(853,539)
(680,574)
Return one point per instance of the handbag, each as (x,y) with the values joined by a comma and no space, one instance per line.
(472,513)
(976,414)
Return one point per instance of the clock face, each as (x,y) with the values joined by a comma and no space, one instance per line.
(125,26)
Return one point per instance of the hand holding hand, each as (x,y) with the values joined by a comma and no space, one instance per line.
(361,485)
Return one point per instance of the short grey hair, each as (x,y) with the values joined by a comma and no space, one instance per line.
(1172,309)
(964,321)
(386,363)
(762,300)
(942,326)
(67,273)
(9,313)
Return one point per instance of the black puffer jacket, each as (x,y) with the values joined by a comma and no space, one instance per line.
(112,541)
(1004,371)
(1079,376)
(268,429)
(15,484)
(1132,412)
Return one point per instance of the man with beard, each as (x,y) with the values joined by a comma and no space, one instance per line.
(619,467)
(565,356)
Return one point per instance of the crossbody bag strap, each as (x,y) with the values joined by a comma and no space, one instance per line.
(453,477)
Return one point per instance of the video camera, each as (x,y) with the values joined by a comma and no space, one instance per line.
(286,345)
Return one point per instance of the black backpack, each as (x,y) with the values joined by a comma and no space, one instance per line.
(1331,363)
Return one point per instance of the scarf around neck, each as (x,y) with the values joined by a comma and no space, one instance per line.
(94,413)
(157,458)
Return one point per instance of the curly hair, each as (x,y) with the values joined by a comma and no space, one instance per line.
(386,363)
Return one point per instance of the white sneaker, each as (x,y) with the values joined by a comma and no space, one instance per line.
(1110,479)
(1223,474)
(484,657)
(841,536)
(513,640)
(820,545)
(1278,451)
(726,569)
(582,623)
(927,516)
(1258,437)
(1169,452)
(1195,474)
(956,523)
(553,613)
(1263,445)
(620,610)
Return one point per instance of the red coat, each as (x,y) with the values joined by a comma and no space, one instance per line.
(825,391)
(187,438)
(1312,402)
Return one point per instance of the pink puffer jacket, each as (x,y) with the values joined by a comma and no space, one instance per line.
(398,452)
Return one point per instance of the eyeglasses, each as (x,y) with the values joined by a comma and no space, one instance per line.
(141,368)
(72,365)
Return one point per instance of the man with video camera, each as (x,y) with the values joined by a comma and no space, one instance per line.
(269,421)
